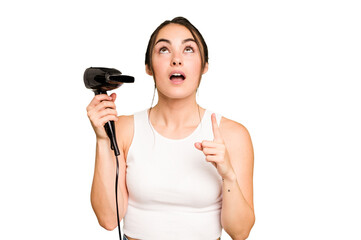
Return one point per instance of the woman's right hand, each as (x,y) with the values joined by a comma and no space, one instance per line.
(101,110)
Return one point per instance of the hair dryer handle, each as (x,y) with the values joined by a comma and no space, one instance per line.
(110,130)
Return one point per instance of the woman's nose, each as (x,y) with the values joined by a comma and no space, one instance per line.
(176,61)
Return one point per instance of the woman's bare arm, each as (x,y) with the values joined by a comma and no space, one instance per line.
(237,214)
(101,110)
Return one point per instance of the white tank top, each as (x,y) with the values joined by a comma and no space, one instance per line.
(174,193)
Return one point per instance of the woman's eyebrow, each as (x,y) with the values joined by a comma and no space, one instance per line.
(188,40)
(162,40)
(167,41)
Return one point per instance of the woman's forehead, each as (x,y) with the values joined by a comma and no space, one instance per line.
(174,31)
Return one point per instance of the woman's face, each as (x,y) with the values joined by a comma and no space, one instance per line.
(176,60)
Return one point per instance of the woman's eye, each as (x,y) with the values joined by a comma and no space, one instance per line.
(163,50)
(188,49)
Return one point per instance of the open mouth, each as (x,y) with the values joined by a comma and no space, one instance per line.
(177,76)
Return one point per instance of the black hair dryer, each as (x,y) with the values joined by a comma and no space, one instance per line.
(101,80)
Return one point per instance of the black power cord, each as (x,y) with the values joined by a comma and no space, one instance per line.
(116,196)
(110,130)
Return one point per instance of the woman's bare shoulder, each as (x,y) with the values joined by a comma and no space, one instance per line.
(125,119)
(232,129)
(125,130)
(235,135)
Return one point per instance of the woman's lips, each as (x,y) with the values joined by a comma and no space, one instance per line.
(177,77)
(177,80)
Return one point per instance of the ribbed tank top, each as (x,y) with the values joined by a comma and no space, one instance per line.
(174,193)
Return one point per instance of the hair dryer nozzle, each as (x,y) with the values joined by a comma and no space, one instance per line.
(102,79)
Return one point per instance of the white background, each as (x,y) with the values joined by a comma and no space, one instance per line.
(287,70)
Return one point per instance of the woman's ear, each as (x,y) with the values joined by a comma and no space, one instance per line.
(205,69)
(148,70)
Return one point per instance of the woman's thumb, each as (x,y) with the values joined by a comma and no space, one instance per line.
(198,145)
(113,96)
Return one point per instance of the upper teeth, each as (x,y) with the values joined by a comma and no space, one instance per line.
(177,74)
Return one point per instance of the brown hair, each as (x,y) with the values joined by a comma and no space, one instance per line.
(194,31)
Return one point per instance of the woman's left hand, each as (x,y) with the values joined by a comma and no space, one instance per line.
(216,151)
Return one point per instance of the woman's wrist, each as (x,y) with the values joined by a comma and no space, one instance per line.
(102,141)
(231,177)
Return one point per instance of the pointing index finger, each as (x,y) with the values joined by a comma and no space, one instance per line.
(216,132)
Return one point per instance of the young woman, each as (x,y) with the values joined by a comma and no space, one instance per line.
(185,172)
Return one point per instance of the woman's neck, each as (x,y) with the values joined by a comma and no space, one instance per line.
(176,113)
